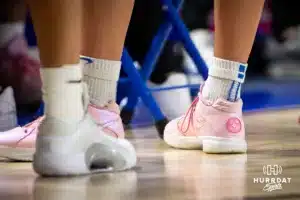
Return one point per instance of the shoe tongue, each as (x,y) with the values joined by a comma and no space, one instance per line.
(222,104)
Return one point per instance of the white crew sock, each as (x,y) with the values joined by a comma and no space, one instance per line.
(9,30)
(101,77)
(63,93)
(225,80)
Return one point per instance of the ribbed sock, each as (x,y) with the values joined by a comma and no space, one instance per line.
(63,93)
(225,80)
(101,77)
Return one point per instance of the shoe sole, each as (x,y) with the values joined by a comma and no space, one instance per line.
(208,144)
(58,164)
(17,154)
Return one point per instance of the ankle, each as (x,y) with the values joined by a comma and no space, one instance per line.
(101,77)
(225,80)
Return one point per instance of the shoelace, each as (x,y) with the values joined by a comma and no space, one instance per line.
(29,130)
(189,116)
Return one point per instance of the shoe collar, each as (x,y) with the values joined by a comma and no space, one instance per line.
(221,103)
(110,107)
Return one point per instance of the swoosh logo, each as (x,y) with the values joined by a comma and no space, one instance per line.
(88,60)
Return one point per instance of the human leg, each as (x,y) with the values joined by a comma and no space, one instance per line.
(69,142)
(214,121)
(105,26)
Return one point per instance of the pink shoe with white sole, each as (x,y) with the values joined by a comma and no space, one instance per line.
(19,143)
(214,127)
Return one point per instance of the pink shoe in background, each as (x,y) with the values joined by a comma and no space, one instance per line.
(19,143)
(21,71)
(108,117)
(214,127)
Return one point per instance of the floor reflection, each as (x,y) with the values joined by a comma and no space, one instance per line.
(104,186)
(207,176)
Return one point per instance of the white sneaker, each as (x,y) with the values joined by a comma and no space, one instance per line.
(82,149)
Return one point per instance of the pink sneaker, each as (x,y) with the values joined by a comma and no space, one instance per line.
(109,118)
(215,127)
(19,143)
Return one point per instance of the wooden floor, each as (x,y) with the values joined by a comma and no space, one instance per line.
(164,173)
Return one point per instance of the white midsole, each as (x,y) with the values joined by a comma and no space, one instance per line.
(209,144)
(56,163)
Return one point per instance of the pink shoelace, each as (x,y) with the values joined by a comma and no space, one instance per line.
(189,116)
(28,130)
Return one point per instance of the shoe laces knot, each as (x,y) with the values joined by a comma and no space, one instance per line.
(189,116)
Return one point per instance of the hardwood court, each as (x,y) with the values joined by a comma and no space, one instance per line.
(164,173)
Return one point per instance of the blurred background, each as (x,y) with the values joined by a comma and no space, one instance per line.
(274,64)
